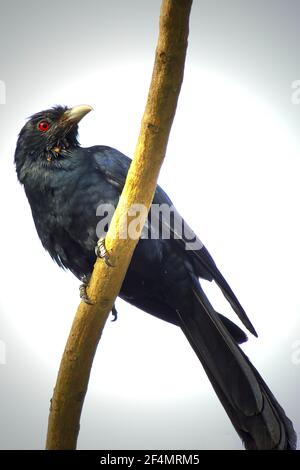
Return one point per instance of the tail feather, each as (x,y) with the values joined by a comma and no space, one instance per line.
(252,408)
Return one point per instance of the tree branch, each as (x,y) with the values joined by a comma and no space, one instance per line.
(105,284)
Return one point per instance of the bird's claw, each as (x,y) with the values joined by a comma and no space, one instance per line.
(85,298)
(114,313)
(84,295)
(101,252)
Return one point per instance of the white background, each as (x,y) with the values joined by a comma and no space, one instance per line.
(232,170)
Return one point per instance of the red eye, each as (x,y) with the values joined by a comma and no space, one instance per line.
(44,126)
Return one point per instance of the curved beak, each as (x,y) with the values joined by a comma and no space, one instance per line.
(74,115)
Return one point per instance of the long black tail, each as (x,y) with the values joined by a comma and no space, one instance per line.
(252,408)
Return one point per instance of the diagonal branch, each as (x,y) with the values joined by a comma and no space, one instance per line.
(75,368)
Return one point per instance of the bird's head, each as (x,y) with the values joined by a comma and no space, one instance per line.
(47,136)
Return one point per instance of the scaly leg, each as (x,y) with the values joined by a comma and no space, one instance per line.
(102,252)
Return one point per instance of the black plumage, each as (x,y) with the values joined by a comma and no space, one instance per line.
(65,184)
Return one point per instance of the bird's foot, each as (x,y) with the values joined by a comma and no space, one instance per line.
(83,293)
(85,298)
(114,313)
(101,252)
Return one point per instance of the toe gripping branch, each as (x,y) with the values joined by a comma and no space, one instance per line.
(83,293)
(101,252)
(85,298)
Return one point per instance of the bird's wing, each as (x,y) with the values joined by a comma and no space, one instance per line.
(114,166)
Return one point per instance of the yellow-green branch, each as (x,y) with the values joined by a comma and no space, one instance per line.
(106,282)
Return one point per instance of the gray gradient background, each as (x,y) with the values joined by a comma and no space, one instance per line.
(147,388)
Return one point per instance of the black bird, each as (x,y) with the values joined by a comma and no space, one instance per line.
(65,184)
